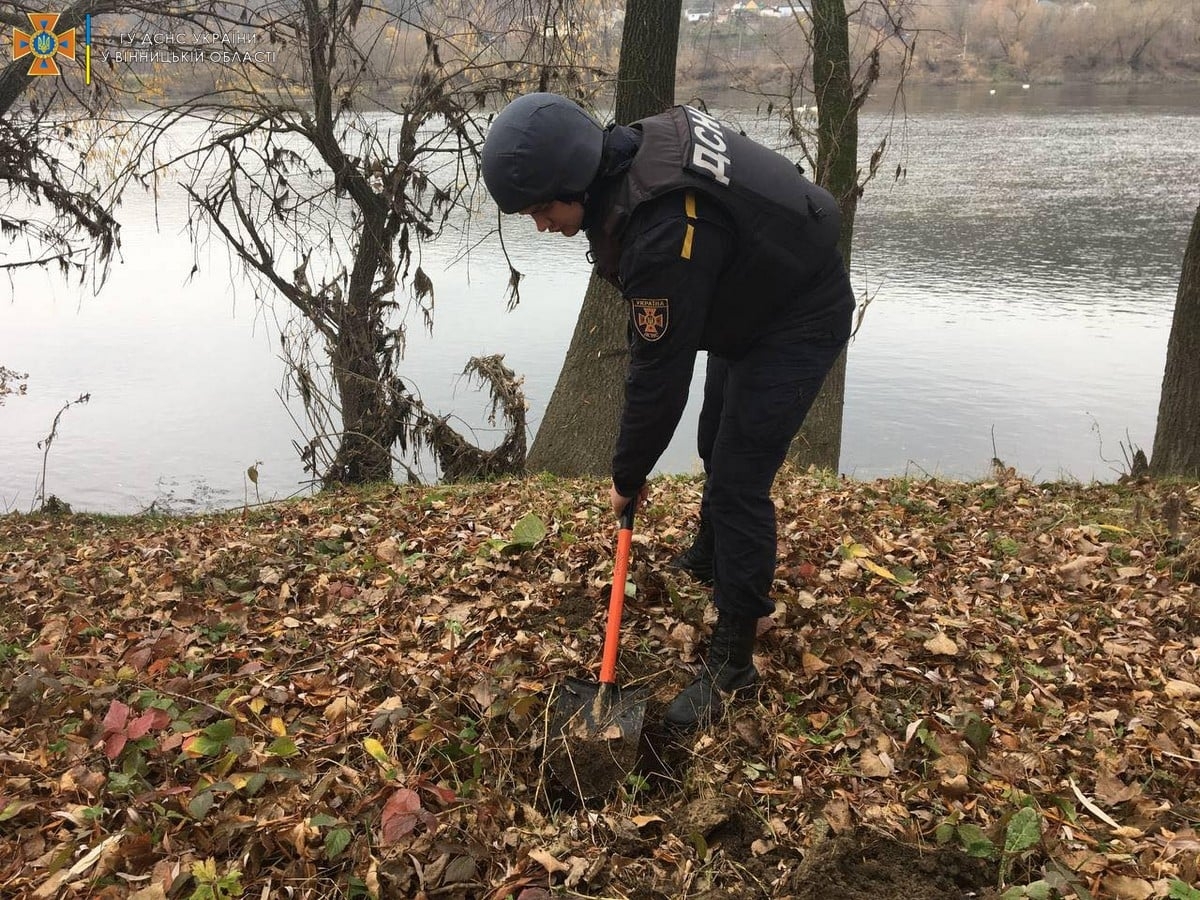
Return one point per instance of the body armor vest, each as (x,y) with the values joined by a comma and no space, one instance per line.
(787,228)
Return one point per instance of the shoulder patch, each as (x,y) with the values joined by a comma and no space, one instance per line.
(650,318)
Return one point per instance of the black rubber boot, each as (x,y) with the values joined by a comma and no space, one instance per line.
(697,560)
(729,668)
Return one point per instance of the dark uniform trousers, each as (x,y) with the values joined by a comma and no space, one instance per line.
(754,401)
(753,407)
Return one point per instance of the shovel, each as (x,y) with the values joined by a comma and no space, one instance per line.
(595,728)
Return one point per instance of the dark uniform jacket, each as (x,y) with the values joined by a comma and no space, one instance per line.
(714,241)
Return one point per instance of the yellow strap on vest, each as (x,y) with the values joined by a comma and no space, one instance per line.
(689,207)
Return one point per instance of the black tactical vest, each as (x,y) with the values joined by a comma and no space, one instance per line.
(787,227)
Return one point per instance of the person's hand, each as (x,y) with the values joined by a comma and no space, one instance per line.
(619,502)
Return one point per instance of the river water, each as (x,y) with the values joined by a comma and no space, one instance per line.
(1022,276)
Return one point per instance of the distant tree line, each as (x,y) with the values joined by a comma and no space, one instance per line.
(952,41)
(1087,40)
(966,40)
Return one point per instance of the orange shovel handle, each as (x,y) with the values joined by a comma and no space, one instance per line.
(616,601)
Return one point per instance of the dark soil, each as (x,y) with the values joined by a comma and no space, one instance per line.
(576,610)
(864,866)
(576,607)
(860,866)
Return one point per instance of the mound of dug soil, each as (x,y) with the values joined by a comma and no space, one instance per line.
(863,866)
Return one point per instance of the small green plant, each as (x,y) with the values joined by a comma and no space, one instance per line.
(216,633)
(1181,891)
(637,783)
(186,667)
(211,886)
(1006,546)
(817,729)
(755,770)
(527,533)
(975,842)
(214,740)
(337,837)
(124,783)
(1024,832)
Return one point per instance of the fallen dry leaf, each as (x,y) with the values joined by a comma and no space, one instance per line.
(812,664)
(837,814)
(547,861)
(1181,690)
(340,709)
(941,645)
(875,765)
(1123,887)
(761,847)
(643,821)
(154,892)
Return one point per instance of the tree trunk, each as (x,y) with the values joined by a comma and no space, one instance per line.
(365,444)
(646,73)
(579,429)
(1177,438)
(577,433)
(819,442)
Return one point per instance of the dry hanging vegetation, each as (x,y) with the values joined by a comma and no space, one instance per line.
(969,690)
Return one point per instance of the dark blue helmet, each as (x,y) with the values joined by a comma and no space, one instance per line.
(541,147)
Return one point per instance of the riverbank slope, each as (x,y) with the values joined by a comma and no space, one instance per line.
(346,696)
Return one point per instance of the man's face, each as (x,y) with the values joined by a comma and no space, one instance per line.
(557,217)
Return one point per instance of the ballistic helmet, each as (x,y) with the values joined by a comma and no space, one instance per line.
(541,147)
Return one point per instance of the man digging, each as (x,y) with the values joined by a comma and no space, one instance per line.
(716,243)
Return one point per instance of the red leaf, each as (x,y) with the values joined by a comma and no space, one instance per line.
(429,820)
(398,826)
(150,720)
(404,800)
(116,717)
(443,795)
(114,743)
(400,815)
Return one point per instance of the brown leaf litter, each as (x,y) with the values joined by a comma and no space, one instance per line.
(344,696)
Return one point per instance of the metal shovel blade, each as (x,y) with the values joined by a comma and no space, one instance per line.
(595,729)
(592,744)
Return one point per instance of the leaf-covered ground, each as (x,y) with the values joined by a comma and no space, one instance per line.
(987,689)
